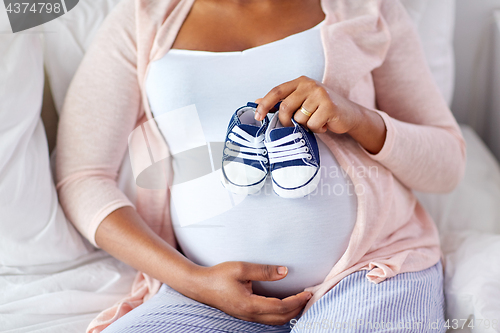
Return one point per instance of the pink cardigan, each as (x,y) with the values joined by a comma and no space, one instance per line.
(373,56)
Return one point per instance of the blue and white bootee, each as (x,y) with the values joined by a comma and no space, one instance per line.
(294,159)
(244,161)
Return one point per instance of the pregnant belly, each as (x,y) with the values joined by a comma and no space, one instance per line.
(308,235)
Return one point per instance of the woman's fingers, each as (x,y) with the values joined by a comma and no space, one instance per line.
(228,287)
(302,92)
(256,272)
(319,120)
(290,105)
(276,94)
(274,311)
(310,105)
(271,305)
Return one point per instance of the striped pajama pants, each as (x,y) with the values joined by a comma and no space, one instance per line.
(407,302)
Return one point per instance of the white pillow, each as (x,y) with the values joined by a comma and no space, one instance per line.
(33,228)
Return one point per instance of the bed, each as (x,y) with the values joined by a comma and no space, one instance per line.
(53,280)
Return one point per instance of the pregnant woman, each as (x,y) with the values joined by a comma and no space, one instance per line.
(359,253)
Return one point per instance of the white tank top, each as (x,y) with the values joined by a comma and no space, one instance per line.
(310,234)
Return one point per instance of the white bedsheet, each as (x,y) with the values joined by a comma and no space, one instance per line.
(61,297)
(472,284)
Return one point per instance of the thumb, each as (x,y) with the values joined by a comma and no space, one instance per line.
(258,272)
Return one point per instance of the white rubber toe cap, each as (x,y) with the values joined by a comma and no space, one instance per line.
(293,176)
(242,174)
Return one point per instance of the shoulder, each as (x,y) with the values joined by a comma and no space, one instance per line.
(153,13)
(142,14)
(120,20)
(134,23)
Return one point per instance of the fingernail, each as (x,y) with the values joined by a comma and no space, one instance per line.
(309,296)
(258,116)
(282,270)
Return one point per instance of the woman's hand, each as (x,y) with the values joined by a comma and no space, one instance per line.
(228,287)
(328,111)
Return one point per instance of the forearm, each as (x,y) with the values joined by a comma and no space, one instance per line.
(424,158)
(370,130)
(126,236)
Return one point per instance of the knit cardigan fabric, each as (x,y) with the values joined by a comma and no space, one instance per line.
(373,56)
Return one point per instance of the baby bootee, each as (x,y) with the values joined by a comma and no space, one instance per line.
(294,159)
(244,160)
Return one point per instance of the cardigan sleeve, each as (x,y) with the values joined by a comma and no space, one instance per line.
(101,108)
(424,147)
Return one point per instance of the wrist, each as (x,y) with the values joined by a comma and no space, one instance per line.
(192,280)
(369,129)
(175,270)
(358,115)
